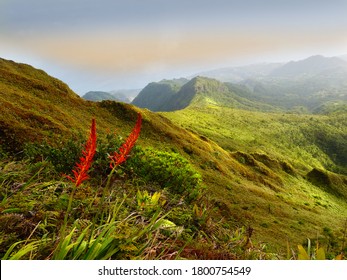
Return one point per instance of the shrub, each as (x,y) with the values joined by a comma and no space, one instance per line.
(63,157)
(169,170)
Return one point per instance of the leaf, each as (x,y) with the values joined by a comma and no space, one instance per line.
(9,251)
(64,246)
(164,224)
(11,210)
(25,250)
(339,257)
(22,251)
(155,198)
(320,254)
(302,253)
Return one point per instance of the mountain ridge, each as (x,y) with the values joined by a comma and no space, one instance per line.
(310,66)
(303,85)
(199,91)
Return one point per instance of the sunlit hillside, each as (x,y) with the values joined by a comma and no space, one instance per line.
(215,180)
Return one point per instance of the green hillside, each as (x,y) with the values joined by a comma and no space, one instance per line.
(206,182)
(306,140)
(157,96)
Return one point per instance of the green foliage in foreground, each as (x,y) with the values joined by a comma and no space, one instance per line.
(123,220)
(167,169)
(128,220)
(119,222)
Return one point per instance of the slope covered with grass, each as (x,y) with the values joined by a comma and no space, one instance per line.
(155,206)
(196,186)
(294,176)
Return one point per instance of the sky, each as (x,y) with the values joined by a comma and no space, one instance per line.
(119,44)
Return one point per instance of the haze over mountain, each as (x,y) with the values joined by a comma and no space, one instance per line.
(344,57)
(117,44)
(311,66)
(238,74)
(308,84)
(130,94)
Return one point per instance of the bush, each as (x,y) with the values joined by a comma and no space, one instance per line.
(65,156)
(169,170)
(62,157)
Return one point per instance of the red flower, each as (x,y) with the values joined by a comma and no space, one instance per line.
(81,169)
(124,150)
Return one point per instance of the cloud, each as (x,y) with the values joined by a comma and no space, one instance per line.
(138,50)
(128,41)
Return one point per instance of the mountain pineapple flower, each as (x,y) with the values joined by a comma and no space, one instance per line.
(80,171)
(121,156)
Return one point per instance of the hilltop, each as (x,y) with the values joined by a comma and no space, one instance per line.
(102,95)
(158,96)
(275,173)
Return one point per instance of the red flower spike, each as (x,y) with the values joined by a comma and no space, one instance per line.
(120,157)
(81,169)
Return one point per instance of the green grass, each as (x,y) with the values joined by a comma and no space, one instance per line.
(288,136)
(273,154)
(252,168)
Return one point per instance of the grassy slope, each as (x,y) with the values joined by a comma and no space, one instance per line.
(242,189)
(35,106)
(275,151)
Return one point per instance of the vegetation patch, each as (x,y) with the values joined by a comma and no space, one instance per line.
(330,182)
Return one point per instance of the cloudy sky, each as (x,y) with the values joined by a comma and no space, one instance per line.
(115,44)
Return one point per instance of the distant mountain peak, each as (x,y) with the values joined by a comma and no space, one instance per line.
(102,95)
(312,65)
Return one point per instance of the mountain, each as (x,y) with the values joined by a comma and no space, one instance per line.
(309,83)
(238,74)
(333,107)
(306,84)
(299,164)
(101,95)
(35,105)
(170,95)
(157,96)
(309,67)
(129,94)
(300,86)
(344,57)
